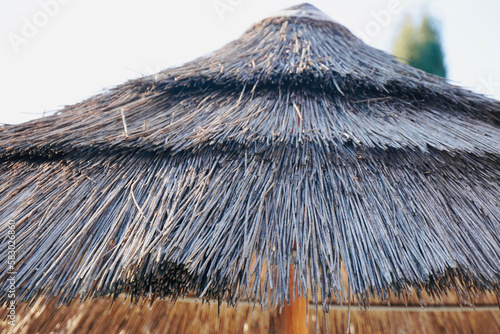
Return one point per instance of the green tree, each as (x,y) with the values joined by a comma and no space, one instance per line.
(420,46)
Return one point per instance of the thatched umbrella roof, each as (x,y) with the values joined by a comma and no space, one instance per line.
(204,178)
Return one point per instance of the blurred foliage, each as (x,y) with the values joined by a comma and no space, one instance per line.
(420,46)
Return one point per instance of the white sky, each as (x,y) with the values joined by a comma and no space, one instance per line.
(85,46)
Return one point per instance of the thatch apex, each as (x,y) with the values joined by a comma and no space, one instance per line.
(304,11)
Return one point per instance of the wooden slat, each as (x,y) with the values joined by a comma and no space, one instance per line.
(163,317)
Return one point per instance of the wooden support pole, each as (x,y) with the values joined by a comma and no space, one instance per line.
(292,319)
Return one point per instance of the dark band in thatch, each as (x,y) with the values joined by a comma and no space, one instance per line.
(296,133)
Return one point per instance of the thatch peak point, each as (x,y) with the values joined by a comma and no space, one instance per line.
(304,10)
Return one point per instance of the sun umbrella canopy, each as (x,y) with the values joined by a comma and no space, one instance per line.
(296,143)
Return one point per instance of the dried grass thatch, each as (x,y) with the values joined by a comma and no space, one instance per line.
(296,134)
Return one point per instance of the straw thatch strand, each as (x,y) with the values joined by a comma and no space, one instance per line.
(295,135)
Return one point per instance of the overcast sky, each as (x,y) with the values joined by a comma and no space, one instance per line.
(58,52)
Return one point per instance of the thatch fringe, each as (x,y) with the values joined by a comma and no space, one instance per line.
(306,199)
